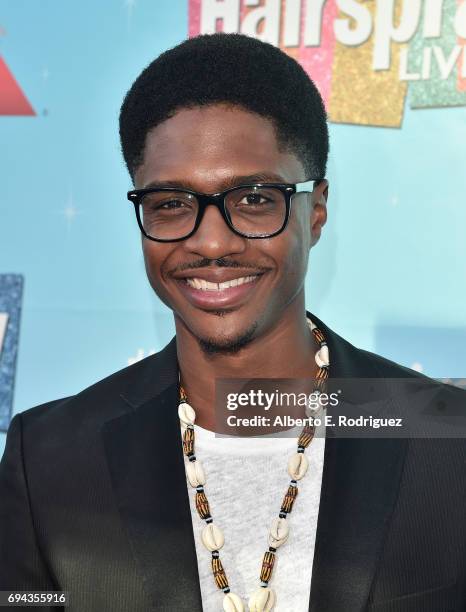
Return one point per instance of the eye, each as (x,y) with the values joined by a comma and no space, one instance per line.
(168,202)
(254,198)
(263,200)
(170,205)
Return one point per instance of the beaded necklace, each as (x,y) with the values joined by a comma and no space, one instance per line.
(264,598)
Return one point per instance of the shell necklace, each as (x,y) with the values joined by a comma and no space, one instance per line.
(264,598)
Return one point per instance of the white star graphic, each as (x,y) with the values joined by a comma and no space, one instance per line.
(70,211)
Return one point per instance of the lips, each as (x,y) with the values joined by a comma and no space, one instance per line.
(218,291)
(205,285)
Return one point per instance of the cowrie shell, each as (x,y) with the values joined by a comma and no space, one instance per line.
(195,473)
(186,413)
(232,603)
(322,358)
(297,465)
(279,532)
(262,600)
(212,537)
(314,410)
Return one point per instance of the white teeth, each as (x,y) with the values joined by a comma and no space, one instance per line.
(200,283)
(195,282)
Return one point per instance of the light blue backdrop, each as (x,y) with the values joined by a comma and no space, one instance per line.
(389,273)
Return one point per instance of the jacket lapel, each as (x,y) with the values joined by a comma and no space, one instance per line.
(146,465)
(360,485)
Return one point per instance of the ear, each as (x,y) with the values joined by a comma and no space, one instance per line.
(319,210)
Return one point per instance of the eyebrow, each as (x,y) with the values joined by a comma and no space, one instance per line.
(232,181)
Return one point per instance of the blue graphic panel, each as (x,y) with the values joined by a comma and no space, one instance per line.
(11,291)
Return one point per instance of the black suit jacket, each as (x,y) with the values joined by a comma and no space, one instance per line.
(94,502)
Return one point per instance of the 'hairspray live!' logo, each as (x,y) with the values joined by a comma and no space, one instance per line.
(365,56)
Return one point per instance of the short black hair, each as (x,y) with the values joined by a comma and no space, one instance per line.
(236,69)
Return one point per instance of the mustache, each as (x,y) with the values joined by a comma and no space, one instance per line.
(222,262)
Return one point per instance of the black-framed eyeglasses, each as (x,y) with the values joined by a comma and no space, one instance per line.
(258,210)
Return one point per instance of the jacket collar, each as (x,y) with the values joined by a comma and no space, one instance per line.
(156,373)
(152,376)
(143,447)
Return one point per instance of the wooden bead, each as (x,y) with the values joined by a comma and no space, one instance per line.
(188,441)
(267,566)
(288,500)
(318,335)
(232,603)
(202,505)
(322,374)
(183,395)
(320,381)
(306,436)
(262,600)
(186,413)
(212,537)
(297,465)
(219,574)
(195,473)
(279,532)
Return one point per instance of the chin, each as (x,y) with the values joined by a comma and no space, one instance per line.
(212,343)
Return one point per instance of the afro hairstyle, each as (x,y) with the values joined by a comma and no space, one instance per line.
(235,69)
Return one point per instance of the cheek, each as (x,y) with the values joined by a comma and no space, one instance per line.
(291,254)
(296,260)
(296,249)
(154,256)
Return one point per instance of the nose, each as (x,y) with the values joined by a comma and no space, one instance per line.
(213,238)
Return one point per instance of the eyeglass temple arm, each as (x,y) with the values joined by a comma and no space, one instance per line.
(307,186)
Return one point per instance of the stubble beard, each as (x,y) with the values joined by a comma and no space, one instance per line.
(230,346)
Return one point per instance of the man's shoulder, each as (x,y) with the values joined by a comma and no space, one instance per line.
(392,369)
(357,363)
(103,399)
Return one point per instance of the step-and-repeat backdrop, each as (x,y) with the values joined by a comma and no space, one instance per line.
(389,273)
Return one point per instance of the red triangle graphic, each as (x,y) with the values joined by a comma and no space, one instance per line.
(12,99)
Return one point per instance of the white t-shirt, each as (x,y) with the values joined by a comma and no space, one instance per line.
(246,480)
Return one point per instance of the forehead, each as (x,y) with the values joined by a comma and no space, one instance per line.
(206,145)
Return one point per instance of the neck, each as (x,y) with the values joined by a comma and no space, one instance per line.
(284,349)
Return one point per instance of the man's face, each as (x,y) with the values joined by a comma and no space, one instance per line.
(206,149)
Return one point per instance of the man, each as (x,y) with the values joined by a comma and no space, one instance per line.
(97,496)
